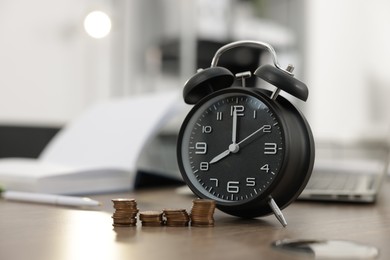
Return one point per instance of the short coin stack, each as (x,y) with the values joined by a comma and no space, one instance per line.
(151,218)
(176,217)
(202,213)
(125,214)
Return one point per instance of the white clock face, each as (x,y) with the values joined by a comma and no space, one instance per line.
(232,147)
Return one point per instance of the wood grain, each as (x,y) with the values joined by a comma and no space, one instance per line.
(33,231)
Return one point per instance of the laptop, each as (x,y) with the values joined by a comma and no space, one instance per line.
(347,174)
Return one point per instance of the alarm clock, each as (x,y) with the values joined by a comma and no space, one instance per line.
(249,149)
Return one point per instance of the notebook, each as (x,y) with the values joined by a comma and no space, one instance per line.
(346,177)
(97,152)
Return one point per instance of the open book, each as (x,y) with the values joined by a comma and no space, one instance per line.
(97,152)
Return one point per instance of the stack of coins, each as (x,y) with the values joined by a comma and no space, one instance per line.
(125,214)
(202,213)
(151,218)
(176,217)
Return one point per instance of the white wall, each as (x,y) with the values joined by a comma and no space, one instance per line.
(50,69)
(347,53)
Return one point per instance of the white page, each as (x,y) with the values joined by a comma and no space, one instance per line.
(107,137)
(112,134)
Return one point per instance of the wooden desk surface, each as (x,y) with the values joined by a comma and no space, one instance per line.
(33,231)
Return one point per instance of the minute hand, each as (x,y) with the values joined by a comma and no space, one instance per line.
(249,136)
(233,148)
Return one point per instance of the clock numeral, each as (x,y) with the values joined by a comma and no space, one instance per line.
(250,182)
(204,166)
(232,186)
(201,148)
(239,110)
(265,168)
(215,180)
(270,148)
(267,129)
(206,129)
(219,116)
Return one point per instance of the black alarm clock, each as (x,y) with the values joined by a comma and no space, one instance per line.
(249,149)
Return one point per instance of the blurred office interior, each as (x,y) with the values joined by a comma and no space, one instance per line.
(53,68)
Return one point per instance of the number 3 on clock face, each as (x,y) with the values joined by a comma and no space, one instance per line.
(232,147)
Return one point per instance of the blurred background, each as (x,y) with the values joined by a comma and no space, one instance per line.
(59,57)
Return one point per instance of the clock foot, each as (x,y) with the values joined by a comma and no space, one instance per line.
(278,213)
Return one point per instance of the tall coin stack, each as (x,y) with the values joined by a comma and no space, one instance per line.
(151,218)
(202,213)
(176,217)
(125,214)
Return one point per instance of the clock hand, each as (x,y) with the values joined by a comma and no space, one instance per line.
(249,136)
(220,156)
(234,148)
(234,130)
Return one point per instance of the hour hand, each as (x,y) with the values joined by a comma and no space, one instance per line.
(220,156)
(233,148)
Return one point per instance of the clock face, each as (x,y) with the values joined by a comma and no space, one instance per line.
(231,147)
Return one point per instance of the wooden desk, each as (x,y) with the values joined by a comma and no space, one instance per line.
(32,231)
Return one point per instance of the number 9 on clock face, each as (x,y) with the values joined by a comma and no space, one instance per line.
(231,147)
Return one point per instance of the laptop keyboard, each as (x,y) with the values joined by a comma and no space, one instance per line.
(338,182)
